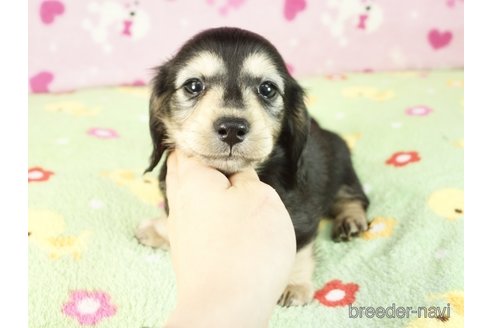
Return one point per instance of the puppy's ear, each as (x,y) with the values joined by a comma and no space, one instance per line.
(157,107)
(296,122)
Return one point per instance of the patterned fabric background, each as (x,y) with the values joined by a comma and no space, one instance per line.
(75,44)
(87,151)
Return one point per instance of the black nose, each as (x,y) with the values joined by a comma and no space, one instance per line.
(231,130)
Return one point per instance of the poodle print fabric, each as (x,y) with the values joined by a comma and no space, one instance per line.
(87,152)
(76,44)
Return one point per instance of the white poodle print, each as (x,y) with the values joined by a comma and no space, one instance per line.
(362,15)
(111,19)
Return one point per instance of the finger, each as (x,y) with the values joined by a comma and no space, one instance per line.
(171,176)
(248,175)
(190,171)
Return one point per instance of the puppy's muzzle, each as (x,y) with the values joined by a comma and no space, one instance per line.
(231,130)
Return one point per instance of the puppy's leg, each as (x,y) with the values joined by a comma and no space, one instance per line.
(153,233)
(349,211)
(300,290)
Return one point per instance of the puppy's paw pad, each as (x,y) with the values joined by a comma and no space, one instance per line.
(295,295)
(147,235)
(349,226)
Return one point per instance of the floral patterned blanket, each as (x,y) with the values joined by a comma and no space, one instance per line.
(87,152)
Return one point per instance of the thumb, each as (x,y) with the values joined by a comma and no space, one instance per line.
(186,172)
(248,175)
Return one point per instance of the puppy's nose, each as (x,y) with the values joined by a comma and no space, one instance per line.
(231,130)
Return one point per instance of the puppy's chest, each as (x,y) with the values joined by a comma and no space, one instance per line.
(307,194)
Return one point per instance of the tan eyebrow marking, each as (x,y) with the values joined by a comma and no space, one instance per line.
(261,66)
(204,64)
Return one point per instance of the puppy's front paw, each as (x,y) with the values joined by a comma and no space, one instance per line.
(152,233)
(295,295)
(347,227)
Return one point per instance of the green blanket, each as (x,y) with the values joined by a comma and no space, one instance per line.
(87,152)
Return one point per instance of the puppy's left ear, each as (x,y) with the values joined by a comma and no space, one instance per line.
(296,121)
(157,106)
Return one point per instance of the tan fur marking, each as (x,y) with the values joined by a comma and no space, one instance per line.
(204,64)
(192,131)
(260,65)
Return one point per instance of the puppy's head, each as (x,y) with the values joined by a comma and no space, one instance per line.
(228,99)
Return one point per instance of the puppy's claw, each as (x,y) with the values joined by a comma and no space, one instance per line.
(147,234)
(295,295)
(347,227)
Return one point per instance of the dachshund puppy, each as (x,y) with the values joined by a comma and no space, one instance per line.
(227,98)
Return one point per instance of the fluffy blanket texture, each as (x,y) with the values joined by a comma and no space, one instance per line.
(87,152)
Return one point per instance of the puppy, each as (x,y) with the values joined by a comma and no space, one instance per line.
(227,98)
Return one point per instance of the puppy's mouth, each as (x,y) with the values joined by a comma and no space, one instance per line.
(228,163)
(232,156)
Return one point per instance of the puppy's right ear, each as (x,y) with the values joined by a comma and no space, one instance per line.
(160,89)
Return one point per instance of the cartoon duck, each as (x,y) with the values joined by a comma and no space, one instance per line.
(145,188)
(45,228)
(370,93)
(447,203)
(72,108)
(455,317)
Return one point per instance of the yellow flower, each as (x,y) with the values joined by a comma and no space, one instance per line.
(459,143)
(370,93)
(455,83)
(135,91)
(310,100)
(72,108)
(351,139)
(379,227)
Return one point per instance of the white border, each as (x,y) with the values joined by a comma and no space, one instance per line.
(478,162)
(13,129)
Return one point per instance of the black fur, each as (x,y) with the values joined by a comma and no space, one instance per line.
(307,166)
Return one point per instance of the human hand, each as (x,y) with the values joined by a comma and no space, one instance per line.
(232,245)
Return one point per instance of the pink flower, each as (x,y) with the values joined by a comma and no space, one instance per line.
(89,307)
(420,110)
(103,133)
(403,158)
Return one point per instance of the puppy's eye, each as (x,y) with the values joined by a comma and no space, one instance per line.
(194,86)
(267,90)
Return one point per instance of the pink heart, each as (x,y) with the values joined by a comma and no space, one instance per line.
(293,7)
(230,4)
(40,82)
(49,10)
(439,39)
